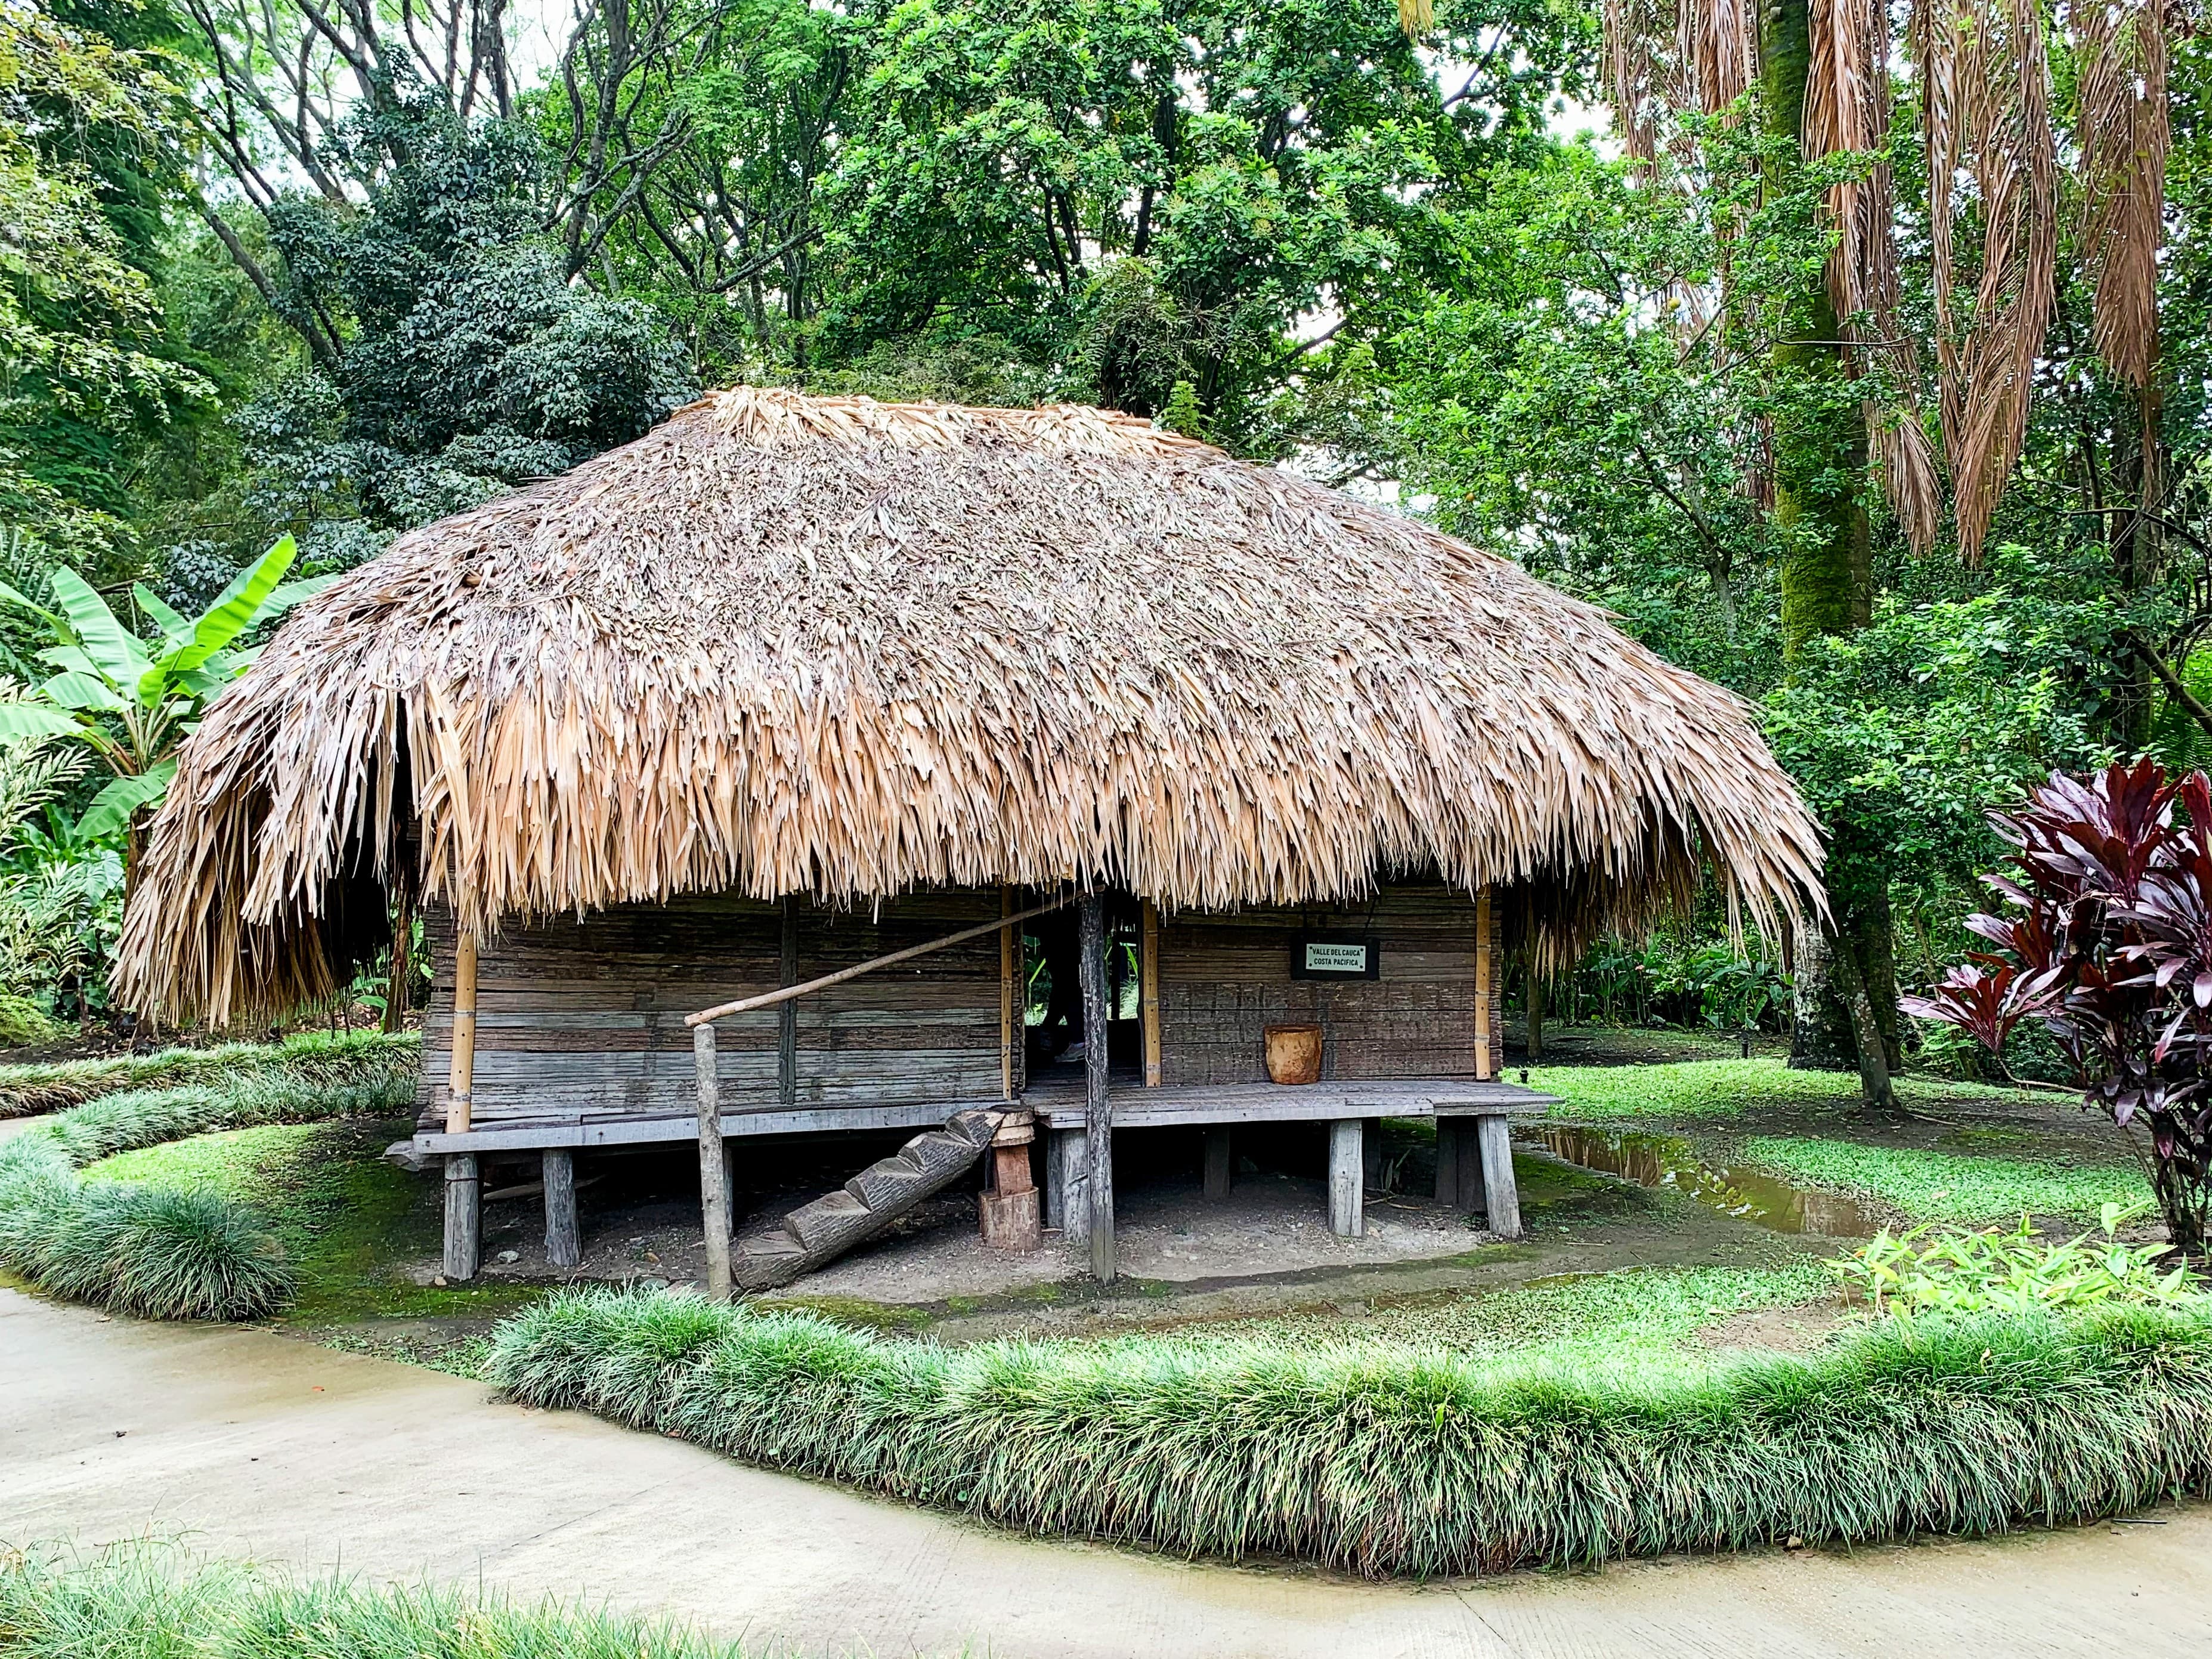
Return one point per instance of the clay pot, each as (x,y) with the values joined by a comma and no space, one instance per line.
(1294,1053)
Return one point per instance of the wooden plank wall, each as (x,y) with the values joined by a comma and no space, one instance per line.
(585,1019)
(1225,977)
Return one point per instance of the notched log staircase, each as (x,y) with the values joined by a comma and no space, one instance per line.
(817,1233)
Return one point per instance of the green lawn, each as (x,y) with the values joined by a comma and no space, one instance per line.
(1718,1089)
(1944,1186)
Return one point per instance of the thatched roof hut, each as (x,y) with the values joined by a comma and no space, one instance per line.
(826,645)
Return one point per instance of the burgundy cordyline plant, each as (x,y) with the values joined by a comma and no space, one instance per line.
(2108,947)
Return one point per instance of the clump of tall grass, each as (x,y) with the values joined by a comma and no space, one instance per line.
(1419,1462)
(150,1598)
(152,1251)
(310,1056)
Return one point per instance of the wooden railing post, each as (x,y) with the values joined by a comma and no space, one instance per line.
(1148,991)
(1009,1025)
(714,1202)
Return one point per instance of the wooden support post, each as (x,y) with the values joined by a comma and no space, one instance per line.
(1098,1108)
(786,1013)
(564,1242)
(1483,971)
(1501,1198)
(1148,991)
(1068,1184)
(1010,1207)
(730,1183)
(1347,1195)
(1007,1025)
(464,1218)
(463,1241)
(1459,1165)
(1535,1000)
(713,1205)
(1220,1160)
(1370,1154)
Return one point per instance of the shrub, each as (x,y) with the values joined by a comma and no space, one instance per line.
(150,1598)
(1417,1462)
(158,1253)
(22,1022)
(310,1056)
(1989,1270)
(2108,951)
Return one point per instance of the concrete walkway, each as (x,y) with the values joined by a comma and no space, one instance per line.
(253,1443)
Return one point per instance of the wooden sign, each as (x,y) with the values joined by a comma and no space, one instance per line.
(1336,956)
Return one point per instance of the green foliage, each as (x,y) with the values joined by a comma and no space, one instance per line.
(1668,980)
(311,1058)
(22,1022)
(1714,1088)
(1413,1462)
(1945,1187)
(144,1597)
(1943,1271)
(156,1251)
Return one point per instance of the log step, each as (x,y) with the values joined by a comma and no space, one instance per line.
(819,1231)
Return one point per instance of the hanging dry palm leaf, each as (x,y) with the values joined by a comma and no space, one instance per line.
(2124,146)
(1714,46)
(1416,17)
(1634,76)
(1988,112)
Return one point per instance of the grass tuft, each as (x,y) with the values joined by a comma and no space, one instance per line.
(1415,1461)
(163,1252)
(309,1056)
(150,1598)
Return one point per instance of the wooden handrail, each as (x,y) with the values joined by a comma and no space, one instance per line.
(771,998)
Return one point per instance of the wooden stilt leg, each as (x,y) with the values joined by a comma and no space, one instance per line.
(1346,1206)
(1501,1198)
(1067,1189)
(1098,1108)
(564,1244)
(1447,1160)
(464,1218)
(1220,1160)
(1370,1154)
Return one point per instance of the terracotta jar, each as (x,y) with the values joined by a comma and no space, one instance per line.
(1294,1053)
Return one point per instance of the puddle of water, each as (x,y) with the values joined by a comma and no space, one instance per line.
(1737,1190)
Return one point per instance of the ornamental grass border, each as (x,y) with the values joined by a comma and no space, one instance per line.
(157,1252)
(1413,1463)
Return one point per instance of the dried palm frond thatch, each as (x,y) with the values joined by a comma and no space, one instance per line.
(790,645)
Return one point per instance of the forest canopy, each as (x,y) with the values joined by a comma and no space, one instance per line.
(1885,409)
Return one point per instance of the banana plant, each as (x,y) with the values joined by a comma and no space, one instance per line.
(133,700)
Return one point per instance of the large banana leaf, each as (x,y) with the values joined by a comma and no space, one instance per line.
(111,645)
(83,691)
(176,629)
(113,807)
(236,608)
(21,720)
(9,596)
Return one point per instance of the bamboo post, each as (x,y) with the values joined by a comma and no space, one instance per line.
(787,1015)
(712,1201)
(460,1075)
(463,1191)
(1483,970)
(1501,1198)
(1148,992)
(1098,1108)
(1006,978)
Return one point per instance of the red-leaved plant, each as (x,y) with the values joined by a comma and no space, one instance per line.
(2109,949)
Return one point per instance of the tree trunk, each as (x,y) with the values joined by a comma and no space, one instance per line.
(1847,991)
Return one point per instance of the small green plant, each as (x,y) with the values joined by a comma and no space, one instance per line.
(1932,1270)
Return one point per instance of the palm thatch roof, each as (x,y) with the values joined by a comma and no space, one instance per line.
(793,644)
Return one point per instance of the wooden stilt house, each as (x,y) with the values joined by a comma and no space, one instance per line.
(744,774)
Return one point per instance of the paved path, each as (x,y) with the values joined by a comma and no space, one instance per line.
(256,1444)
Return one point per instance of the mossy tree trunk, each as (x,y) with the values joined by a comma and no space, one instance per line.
(1846,1004)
